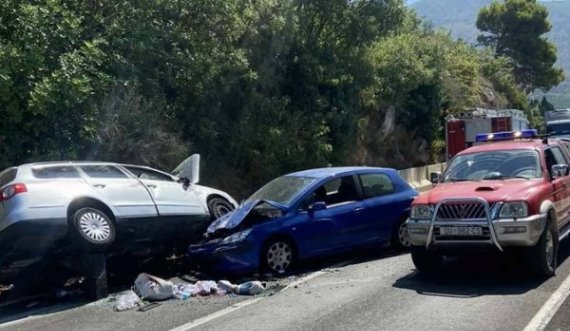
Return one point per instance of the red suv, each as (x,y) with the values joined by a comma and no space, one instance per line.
(510,191)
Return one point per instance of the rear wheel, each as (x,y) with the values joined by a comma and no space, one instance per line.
(400,236)
(426,260)
(93,228)
(543,256)
(218,207)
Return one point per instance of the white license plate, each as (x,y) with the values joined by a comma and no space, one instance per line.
(461,231)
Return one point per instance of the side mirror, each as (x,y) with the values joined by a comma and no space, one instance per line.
(319,205)
(559,170)
(435,177)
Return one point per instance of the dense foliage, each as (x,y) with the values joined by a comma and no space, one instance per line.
(258,87)
(515,29)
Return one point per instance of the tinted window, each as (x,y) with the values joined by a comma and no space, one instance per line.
(560,159)
(144,173)
(56,172)
(103,171)
(7,176)
(374,185)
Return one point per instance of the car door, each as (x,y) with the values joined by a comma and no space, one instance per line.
(561,185)
(383,206)
(130,198)
(171,197)
(339,225)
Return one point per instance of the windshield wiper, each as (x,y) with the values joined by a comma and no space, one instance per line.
(505,177)
(453,180)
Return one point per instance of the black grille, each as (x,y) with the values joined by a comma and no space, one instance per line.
(461,211)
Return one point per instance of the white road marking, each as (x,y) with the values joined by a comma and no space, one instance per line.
(540,321)
(239,305)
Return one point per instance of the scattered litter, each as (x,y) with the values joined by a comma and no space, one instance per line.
(206,287)
(153,288)
(226,286)
(184,291)
(6,288)
(251,288)
(127,301)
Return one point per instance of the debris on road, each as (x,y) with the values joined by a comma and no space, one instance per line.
(6,288)
(153,288)
(127,301)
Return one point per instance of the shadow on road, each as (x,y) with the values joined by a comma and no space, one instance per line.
(478,275)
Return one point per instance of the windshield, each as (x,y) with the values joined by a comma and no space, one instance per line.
(558,128)
(488,165)
(283,189)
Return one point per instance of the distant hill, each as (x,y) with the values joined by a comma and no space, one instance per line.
(459,17)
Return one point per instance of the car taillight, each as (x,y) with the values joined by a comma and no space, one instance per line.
(12,190)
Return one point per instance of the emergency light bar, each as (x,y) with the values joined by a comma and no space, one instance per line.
(506,135)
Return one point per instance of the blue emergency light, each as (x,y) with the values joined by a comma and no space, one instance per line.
(506,135)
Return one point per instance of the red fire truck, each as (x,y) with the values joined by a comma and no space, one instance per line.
(462,129)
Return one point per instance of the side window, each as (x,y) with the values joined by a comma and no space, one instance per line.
(337,191)
(558,156)
(55,172)
(103,171)
(7,176)
(375,185)
(144,173)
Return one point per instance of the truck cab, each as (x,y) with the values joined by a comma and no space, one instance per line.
(511,192)
(558,123)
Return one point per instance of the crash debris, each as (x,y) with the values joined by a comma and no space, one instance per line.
(148,288)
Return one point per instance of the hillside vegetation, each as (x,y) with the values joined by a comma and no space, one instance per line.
(259,88)
(459,16)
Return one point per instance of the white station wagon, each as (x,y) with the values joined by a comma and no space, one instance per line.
(94,205)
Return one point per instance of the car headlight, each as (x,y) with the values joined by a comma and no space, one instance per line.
(236,237)
(516,209)
(421,212)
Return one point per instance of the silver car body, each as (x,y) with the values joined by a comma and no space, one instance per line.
(131,193)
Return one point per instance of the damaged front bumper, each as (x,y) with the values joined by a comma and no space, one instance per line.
(214,255)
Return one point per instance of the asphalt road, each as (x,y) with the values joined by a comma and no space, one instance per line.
(371,293)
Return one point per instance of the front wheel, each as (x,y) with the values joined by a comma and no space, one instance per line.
(543,256)
(278,256)
(426,260)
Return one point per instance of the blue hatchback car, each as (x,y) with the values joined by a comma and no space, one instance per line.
(308,214)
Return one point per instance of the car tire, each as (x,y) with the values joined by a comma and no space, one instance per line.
(400,237)
(218,207)
(426,260)
(278,256)
(93,229)
(544,255)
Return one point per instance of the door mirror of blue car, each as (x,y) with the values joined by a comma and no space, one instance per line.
(319,205)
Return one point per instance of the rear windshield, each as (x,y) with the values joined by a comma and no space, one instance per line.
(55,172)
(7,176)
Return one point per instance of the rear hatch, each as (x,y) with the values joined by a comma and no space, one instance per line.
(7,176)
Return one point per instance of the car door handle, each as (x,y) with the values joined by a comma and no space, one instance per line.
(358,210)
(151,186)
(99,185)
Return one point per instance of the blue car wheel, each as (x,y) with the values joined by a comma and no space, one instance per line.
(278,256)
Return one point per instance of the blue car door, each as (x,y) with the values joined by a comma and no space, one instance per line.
(336,227)
(384,206)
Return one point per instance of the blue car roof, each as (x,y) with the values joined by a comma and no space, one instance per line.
(332,171)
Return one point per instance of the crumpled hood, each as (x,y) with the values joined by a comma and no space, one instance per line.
(490,190)
(234,218)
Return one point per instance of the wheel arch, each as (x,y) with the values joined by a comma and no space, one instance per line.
(82,202)
(547,209)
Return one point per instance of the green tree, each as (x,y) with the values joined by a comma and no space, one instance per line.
(545,106)
(515,29)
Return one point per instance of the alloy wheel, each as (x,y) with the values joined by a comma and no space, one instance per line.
(549,248)
(95,226)
(403,235)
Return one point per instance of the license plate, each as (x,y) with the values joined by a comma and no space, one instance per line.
(461,231)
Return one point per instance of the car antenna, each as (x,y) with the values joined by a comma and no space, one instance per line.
(545,138)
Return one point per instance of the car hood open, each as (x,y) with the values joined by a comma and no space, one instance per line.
(234,218)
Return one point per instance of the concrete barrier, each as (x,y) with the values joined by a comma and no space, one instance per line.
(419,177)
